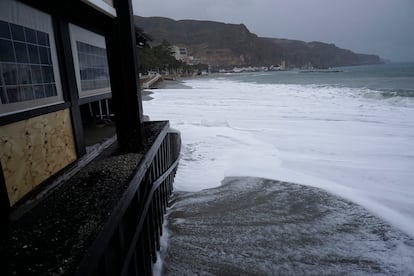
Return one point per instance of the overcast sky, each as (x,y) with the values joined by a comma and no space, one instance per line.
(382,27)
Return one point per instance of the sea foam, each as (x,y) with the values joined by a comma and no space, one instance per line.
(335,138)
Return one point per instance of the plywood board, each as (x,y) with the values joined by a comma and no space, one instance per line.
(33,150)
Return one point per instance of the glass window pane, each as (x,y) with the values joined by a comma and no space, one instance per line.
(26,93)
(89,74)
(96,51)
(6,51)
(30,35)
(50,90)
(33,54)
(47,72)
(96,61)
(49,56)
(98,74)
(3,95)
(36,74)
(88,85)
(42,38)
(93,73)
(23,74)
(9,73)
(12,95)
(21,52)
(83,74)
(89,61)
(82,60)
(103,63)
(39,91)
(44,57)
(17,32)
(102,83)
(4,29)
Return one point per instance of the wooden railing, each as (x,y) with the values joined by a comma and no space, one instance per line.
(130,239)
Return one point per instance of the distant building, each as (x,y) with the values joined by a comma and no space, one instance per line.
(180,53)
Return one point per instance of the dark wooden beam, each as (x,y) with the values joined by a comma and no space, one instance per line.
(95,98)
(123,69)
(16,117)
(68,77)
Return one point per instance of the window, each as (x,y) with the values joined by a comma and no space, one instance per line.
(93,67)
(25,64)
(91,62)
(29,76)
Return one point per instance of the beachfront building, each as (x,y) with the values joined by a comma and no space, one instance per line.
(180,53)
(68,84)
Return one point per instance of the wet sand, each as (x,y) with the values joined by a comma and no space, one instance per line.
(254,226)
(165,84)
(145,94)
(172,84)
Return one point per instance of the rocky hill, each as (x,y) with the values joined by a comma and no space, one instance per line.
(227,45)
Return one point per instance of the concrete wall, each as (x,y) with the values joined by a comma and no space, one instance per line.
(32,150)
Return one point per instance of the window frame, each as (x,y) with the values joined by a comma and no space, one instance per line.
(17,13)
(85,36)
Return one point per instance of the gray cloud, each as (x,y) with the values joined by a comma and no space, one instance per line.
(383,27)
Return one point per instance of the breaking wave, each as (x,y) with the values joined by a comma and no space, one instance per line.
(353,142)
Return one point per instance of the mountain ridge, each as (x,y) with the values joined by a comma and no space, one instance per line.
(225,45)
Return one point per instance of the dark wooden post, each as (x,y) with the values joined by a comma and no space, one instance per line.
(123,68)
(69,85)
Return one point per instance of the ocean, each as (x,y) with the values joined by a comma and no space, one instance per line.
(349,131)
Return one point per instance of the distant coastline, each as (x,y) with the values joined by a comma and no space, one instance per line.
(224,46)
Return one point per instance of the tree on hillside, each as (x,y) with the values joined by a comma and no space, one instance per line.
(158,58)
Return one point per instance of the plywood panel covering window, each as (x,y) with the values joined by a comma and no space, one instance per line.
(29,73)
(32,150)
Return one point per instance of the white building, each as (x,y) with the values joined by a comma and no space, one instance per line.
(180,53)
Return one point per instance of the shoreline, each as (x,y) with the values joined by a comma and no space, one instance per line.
(167,83)
(171,84)
(163,84)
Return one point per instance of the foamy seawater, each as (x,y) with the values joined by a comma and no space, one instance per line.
(350,141)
